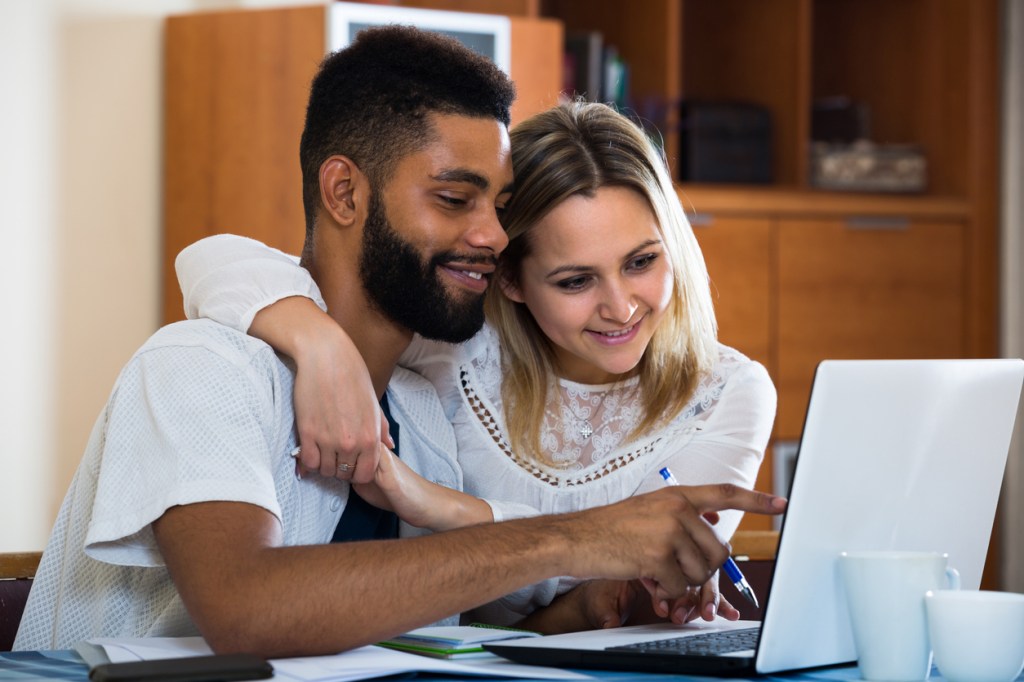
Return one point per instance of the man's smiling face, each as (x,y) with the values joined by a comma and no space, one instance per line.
(432,236)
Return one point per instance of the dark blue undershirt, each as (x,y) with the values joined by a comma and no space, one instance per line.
(361,520)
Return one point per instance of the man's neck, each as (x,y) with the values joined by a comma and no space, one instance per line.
(379,340)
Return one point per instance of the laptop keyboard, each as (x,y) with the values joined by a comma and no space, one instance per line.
(708,644)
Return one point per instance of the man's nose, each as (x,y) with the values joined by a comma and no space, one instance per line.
(487,233)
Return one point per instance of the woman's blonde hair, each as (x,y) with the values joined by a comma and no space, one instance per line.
(575,149)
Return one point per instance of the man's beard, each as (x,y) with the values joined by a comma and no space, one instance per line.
(409,291)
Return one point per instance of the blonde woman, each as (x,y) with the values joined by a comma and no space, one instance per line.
(598,365)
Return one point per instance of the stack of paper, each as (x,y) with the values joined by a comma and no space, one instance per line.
(359,664)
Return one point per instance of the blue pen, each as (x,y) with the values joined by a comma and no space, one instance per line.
(731,569)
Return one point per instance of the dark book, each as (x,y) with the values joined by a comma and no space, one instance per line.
(586,54)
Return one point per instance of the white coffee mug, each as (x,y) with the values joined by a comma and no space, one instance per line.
(885,592)
(976,636)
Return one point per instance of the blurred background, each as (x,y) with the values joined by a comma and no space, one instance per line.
(81,212)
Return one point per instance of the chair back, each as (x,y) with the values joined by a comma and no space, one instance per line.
(16,573)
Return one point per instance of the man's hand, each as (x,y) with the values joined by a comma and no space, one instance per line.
(662,537)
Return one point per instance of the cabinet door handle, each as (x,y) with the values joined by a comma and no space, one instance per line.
(701,219)
(877,222)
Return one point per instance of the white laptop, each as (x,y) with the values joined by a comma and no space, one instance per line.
(895,454)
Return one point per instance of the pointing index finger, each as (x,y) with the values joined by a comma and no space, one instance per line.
(720,496)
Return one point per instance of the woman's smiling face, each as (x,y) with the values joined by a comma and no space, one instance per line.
(597,281)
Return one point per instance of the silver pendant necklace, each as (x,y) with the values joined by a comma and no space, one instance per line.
(580,424)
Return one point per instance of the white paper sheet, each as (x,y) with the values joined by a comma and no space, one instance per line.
(359,664)
(150,648)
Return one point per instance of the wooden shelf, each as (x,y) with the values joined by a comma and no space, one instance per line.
(754,200)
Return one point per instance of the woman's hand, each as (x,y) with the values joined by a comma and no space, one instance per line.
(701,601)
(417,501)
(340,423)
(591,605)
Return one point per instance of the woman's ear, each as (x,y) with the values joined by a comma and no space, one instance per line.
(340,179)
(510,287)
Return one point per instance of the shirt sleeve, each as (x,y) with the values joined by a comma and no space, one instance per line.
(184,425)
(729,445)
(228,279)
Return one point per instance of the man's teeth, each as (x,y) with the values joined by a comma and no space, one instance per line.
(475,275)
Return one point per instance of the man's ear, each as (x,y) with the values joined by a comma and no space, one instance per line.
(510,287)
(341,185)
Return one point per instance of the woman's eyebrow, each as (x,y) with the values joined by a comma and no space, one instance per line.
(569,267)
(641,247)
(561,269)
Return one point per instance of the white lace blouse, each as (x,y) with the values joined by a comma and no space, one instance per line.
(720,435)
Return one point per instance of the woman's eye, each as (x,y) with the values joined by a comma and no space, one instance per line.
(643,262)
(573,283)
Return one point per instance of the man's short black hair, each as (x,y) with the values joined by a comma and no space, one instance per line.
(370,101)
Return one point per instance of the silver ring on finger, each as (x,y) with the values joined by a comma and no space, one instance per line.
(345,467)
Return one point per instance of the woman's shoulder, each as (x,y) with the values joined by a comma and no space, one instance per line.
(730,363)
(482,364)
(732,373)
(483,343)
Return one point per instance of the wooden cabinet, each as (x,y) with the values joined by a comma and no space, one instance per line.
(791,290)
(863,287)
(738,256)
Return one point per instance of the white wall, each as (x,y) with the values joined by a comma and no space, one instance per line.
(80,149)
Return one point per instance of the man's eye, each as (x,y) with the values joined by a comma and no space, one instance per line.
(452,201)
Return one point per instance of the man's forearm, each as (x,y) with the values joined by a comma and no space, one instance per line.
(287,601)
(247,593)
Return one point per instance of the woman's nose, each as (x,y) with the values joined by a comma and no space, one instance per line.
(618,305)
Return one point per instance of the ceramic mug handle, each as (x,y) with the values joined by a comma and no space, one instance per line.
(953,578)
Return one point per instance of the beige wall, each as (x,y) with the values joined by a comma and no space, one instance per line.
(27,386)
(80,218)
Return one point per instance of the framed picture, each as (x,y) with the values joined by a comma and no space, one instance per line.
(488,34)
